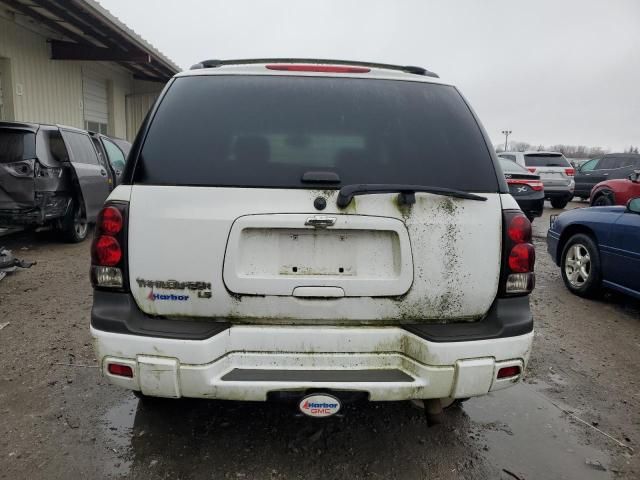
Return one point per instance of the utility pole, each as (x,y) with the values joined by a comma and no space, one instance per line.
(506,134)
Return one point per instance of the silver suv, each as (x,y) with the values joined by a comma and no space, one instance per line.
(314,230)
(555,171)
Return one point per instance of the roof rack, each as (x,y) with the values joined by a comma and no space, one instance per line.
(403,68)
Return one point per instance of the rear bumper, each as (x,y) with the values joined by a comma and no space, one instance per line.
(49,207)
(249,362)
(214,359)
(558,192)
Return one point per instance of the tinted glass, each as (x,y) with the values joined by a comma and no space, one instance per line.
(509,166)
(610,163)
(590,165)
(82,149)
(16,145)
(116,157)
(268,131)
(546,160)
(508,157)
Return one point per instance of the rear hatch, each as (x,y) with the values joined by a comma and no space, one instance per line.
(17,166)
(234,206)
(554,169)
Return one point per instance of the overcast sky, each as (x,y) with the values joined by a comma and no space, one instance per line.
(552,71)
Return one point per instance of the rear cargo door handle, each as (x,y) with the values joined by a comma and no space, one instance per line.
(320,221)
(318,292)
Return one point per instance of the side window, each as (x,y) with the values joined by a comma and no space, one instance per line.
(96,144)
(57,147)
(610,163)
(590,165)
(81,147)
(508,157)
(116,157)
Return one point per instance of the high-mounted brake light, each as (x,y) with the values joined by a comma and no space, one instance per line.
(570,172)
(108,251)
(518,255)
(318,68)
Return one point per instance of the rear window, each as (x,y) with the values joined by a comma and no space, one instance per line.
(267,131)
(509,166)
(546,160)
(16,145)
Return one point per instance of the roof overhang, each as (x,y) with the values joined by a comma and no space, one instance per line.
(91,33)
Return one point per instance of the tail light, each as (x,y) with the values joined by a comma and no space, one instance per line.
(570,172)
(108,250)
(518,255)
(533,184)
(532,169)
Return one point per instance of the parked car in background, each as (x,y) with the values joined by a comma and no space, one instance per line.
(616,192)
(328,218)
(50,175)
(598,247)
(525,187)
(112,153)
(608,167)
(555,172)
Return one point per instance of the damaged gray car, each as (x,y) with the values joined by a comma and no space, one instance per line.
(51,176)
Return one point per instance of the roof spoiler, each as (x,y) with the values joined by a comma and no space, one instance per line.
(403,68)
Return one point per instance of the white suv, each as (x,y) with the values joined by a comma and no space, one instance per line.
(313,230)
(555,171)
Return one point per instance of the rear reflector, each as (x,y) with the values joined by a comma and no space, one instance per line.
(120,370)
(507,372)
(319,68)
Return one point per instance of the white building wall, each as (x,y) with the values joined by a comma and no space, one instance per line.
(50,91)
(43,90)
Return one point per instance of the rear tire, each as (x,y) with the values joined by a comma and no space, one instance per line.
(559,202)
(580,266)
(603,199)
(73,227)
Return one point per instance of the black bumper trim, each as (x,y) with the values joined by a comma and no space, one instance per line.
(118,312)
(507,317)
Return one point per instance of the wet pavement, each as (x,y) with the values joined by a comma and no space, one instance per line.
(520,432)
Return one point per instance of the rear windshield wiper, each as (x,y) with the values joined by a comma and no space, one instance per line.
(407,192)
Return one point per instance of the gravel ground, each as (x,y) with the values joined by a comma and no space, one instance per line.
(577,415)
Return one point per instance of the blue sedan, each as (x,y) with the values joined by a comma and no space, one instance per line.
(598,247)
